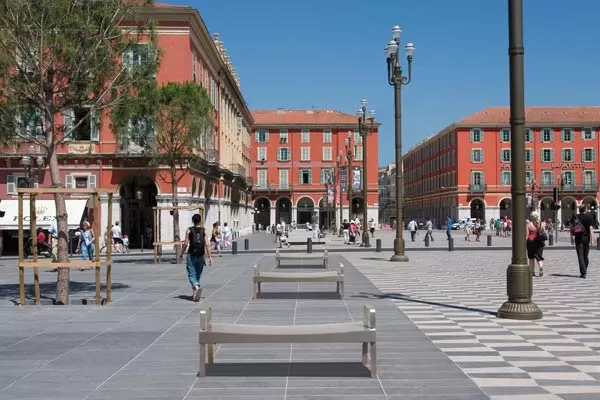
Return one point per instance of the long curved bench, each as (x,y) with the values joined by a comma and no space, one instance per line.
(278,276)
(301,257)
(347,332)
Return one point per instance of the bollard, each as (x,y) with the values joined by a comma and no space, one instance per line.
(234,247)
(309,245)
(426,240)
(489,240)
(378,245)
(598,244)
(451,244)
(551,240)
(246,244)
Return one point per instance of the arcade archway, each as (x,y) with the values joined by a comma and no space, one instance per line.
(304,210)
(505,208)
(283,210)
(358,204)
(568,209)
(546,211)
(138,196)
(262,212)
(478,209)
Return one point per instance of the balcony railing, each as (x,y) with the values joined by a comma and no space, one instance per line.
(477,188)
(211,156)
(273,188)
(238,169)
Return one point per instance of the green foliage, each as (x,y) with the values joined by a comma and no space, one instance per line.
(171,123)
(61,55)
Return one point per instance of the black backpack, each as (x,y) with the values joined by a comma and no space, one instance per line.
(577,229)
(197,242)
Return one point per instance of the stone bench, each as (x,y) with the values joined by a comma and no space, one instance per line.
(278,276)
(347,332)
(301,257)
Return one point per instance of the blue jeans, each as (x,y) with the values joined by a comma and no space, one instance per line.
(194,266)
(87,251)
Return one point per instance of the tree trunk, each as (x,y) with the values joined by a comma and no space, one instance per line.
(176,235)
(62,282)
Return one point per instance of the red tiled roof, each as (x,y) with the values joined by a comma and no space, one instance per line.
(533,115)
(301,117)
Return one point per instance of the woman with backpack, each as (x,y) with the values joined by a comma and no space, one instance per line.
(536,241)
(197,246)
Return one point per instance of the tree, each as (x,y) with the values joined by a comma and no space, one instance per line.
(170,123)
(60,71)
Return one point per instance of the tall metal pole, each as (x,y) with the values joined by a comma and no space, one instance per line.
(365,227)
(518,275)
(399,254)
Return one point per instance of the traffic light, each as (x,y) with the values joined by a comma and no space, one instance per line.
(555,195)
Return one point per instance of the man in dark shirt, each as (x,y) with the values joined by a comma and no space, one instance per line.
(583,241)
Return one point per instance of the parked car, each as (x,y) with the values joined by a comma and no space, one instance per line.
(460,224)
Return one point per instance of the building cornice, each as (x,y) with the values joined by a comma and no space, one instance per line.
(215,63)
(310,126)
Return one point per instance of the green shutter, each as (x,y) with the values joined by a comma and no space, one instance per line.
(481,154)
(562,135)
(94,126)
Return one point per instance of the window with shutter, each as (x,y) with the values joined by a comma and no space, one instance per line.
(68,122)
(11,186)
(92,181)
(70,182)
(94,126)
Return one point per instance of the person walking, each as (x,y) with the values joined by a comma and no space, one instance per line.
(536,238)
(583,233)
(346,231)
(215,238)
(198,247)
(86,243)
(412,227)
(429,228)
(449,223)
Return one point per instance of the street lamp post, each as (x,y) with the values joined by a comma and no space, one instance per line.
(28,163)
(366,125)
(518,275)
(349,158)
(339,187)
(397,80)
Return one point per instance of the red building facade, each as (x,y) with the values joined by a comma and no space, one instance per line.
(96,159)
(300,168)
(464,170)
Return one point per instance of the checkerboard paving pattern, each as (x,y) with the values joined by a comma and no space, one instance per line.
(453,297)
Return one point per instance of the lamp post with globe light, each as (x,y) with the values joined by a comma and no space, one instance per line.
(366,126)
(397,80)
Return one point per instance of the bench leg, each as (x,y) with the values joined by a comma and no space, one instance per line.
(202,368)
(373,356)
(258,287)
(211,354)
(254,285)
(337,287)
(342,289)
(365,353)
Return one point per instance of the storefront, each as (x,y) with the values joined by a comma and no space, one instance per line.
(45,215)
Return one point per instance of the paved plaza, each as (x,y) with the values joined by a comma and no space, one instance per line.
(437,335)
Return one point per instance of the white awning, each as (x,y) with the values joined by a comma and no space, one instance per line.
(45,213)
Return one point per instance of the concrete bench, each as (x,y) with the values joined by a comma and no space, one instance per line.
(277,276)
(347,332)
(291,256)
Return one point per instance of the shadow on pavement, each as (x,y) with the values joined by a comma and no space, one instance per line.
(397,296)
(299,295)
(565,275)
(47,289)
(312,369)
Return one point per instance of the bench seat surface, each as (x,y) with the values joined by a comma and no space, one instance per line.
(301,257)
(347,332)
(299,275)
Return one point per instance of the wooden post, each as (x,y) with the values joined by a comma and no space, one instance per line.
(21,252)
(34,246)
(96,230)
(109,218)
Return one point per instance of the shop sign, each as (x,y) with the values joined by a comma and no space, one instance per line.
(567,165)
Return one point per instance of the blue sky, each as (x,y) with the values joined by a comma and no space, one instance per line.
(329,54)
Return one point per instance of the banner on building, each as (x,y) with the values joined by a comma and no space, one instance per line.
(330,195)
(356,180)
(343,181)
